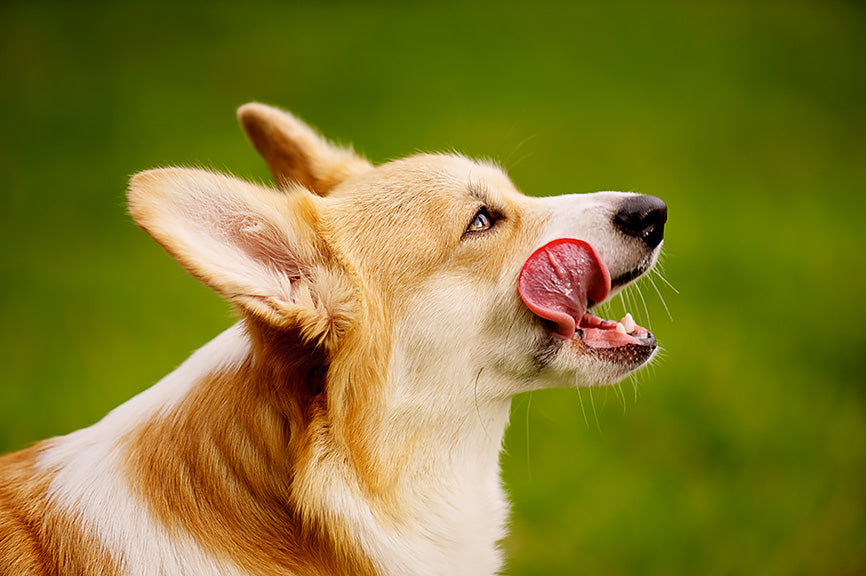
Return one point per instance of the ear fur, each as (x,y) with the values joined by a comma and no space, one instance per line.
(254,246)
(295,153)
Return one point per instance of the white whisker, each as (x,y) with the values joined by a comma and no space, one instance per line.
(624,301)
(519,145)
(660,273)
(620,395)
(645,308)
(662,298)
(582,408)
(594,411)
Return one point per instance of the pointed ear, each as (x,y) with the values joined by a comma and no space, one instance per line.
(295,153)
(254,246)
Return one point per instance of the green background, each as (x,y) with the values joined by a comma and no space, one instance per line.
(742,450)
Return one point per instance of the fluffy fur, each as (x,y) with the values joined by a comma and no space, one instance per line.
(351,421)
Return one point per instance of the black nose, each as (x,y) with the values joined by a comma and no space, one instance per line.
(643,217)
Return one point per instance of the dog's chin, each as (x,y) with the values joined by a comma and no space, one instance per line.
(601,351)
(598,356)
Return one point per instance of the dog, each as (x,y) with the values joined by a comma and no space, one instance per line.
(351,421)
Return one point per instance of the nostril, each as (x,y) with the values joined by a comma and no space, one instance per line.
(643,217)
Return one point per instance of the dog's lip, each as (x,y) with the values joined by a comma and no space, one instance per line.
(627,277)
(598,333)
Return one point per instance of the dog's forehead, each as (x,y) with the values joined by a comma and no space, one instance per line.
(401,218)
(466,175)
(428,178)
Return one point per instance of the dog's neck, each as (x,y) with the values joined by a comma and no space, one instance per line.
(423,448)
(413,474)
(433,438)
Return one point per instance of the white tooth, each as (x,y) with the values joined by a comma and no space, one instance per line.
(628,323)
(620,328)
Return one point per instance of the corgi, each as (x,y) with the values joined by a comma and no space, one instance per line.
(351,421)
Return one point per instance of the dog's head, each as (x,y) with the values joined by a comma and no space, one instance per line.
(424,265)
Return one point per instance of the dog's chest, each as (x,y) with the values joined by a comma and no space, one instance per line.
(456,530)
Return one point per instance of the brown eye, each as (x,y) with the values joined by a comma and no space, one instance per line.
(481,222)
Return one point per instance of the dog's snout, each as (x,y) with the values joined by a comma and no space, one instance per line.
(643,217)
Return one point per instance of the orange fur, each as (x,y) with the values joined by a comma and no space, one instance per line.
(37,538)
(295,153)
(343,426)
(227,457)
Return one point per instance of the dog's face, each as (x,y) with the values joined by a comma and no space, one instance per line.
(458,236)
(419,264)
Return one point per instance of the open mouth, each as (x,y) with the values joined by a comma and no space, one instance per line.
(565,277)
(599,333)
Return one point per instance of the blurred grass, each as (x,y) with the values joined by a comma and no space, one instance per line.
(745,451)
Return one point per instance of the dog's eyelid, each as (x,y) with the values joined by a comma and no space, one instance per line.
(483,220)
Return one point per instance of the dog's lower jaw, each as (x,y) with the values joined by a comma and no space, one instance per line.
(605,366)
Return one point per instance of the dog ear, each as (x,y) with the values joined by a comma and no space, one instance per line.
(255,246)
(295,153)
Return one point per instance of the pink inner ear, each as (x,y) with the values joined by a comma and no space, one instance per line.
(559,278)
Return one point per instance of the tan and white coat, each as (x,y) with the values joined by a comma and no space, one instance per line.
(351,421)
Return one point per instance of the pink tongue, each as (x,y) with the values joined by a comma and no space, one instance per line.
(557,280)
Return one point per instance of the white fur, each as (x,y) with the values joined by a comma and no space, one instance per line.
(460,358)
(589,217)
(463,346)
(90,482)
(460,394)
